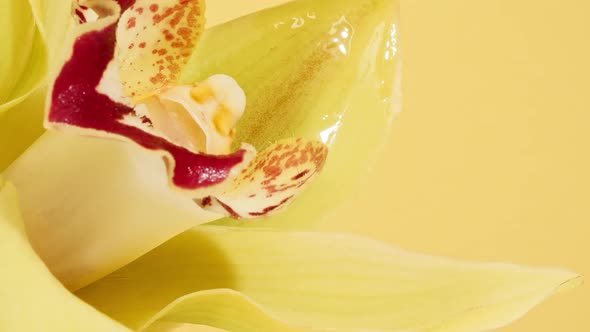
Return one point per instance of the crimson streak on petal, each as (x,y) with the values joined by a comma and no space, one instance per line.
(125,4)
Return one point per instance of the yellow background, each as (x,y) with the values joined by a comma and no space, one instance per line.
(490,159)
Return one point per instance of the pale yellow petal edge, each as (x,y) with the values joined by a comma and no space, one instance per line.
(230,310)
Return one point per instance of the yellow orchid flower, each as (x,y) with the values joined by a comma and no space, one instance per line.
(145,109)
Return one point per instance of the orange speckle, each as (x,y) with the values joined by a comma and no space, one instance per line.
(131,23)
(177,17)
(154,8)
(159,78)
(192,17)
(174,68)
(185,33)
(177,44)
(168,35)
(142,45)
(159,18)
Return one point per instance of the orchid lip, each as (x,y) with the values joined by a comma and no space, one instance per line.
(130,92)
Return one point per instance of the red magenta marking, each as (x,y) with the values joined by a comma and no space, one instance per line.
(80,15)
(300,175)
(207,201)
(229,210)
(270,208)
(125,4)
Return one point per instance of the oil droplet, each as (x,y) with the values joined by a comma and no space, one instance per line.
(342,33)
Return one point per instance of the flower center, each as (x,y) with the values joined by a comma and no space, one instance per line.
(200,117)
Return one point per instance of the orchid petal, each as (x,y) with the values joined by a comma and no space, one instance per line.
(33,34)
(271,181)
(323,70)
(23,53)
(54,19)
(21,123)
(162,326)
(31,298)
(221,11)
(93,205)
(246,280)
(225,308)
(20,126)
(155,40)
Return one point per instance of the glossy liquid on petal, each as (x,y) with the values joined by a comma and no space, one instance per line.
(326,70)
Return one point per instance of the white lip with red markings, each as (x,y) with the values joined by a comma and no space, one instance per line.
(120,81)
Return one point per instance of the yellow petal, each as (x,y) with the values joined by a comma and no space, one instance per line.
(24,122)
(32,35)
(179,327)
(24,55)
(322,70)
(31,298)
(222,308)
(20,126)
(242,280)
(93,205)
(155,39)
(221,11)
(53,18)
